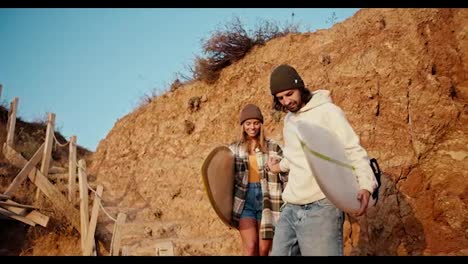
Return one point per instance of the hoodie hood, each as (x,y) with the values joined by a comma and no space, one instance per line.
(319,97)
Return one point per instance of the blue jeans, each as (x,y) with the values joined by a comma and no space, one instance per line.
(253,202)
(314,229)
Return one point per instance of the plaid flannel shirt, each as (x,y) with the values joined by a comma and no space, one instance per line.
(272,186)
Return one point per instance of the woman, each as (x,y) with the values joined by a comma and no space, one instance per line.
(257,192)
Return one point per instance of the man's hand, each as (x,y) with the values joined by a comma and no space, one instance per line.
(363,197)
(273,165)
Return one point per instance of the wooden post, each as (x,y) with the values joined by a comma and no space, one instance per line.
(83,185)
(12,122)
(1,90)
(125,251)
(118,233)
(46,157)
(72,170)
(48,145)
(89,243)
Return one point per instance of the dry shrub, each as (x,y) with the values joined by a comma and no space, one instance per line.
(147,98)
(204,71)
(228,46)
(175,85)
(267,30)
(232,43)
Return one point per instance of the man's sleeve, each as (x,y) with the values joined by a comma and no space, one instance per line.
(356,154)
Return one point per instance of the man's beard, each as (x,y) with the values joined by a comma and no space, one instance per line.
(293,108)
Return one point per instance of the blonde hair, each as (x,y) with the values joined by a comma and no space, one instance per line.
(261,139)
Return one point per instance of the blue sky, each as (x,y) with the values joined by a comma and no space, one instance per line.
(92,66)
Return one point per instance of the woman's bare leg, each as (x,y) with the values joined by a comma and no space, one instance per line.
(249,235)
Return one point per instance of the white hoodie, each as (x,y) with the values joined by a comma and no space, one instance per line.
(302,187)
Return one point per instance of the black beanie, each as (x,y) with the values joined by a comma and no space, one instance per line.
(250,111)
(285,77)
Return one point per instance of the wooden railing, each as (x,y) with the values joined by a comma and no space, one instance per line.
(80,220)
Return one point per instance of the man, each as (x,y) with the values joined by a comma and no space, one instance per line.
(309,223)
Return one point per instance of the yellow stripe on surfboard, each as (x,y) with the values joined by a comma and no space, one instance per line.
(327,158)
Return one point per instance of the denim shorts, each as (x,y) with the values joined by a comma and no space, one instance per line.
(253,202)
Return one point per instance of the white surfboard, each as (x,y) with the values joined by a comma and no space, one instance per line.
(332,170)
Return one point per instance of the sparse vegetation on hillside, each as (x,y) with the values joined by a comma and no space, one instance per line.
(332,19)
(148,97)
(178,81)
(224,47)
(228,45)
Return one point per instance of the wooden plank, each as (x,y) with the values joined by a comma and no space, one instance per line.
(38,218)
(13,157)
(57,199)
(10,214)
(13,206)
(16,160)
(25,171)
(55,196)
(72,170)
(117,236)
(12,122)
(4,197)
(47,155)
(20,210)
(88,250)
(84,211)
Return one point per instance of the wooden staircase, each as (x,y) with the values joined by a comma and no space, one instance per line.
(57,185)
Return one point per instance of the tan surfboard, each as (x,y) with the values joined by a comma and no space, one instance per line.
(218,180)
